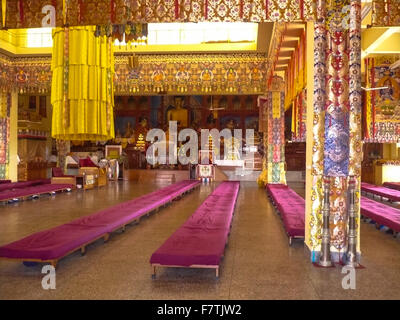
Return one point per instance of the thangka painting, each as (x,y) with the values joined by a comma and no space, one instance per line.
(251,122)
(230,122)
(124,127)
(382,106)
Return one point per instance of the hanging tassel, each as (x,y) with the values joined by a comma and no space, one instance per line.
(373,96)
(206,9)
(241,9)
(301,9)
(182,10)
(21,11)
(112,11)
(80,14)
(176,9)
(266,10)
(3,12)
(64,12)
(66,72)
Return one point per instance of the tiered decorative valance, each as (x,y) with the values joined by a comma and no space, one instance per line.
(28,14)
(194,74)
(82,92)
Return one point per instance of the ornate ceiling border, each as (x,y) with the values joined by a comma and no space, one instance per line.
(149,74)
(28,14)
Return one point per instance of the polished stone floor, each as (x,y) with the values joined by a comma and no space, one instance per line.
(258,262)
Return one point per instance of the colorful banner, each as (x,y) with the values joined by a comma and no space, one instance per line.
(382,106)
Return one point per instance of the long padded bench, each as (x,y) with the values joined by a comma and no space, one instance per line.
(26,189)
(291,208)
(381,214)
(200,242)
(390,194)
(51,245)
(392,185)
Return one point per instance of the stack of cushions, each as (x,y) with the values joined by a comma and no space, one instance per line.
(291,207)
(391,194)
(201,240)
(53,244)
(380,213)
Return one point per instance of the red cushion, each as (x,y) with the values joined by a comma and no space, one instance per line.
(86,163)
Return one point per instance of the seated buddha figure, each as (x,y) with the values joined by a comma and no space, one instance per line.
(179,114)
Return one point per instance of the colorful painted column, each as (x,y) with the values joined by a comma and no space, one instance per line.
(5,108)
(276,132)
(336,126)
(272,105)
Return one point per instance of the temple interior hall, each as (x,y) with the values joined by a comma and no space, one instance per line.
(235,150)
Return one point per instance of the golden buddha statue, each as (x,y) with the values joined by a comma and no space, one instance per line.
(141,133)
(180,114)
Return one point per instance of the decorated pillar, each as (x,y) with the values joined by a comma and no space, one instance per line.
(273,104)
(276,132)
(336,126)
(5,108)
(263,128)
(82,91)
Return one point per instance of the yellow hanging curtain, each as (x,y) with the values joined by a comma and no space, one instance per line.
(82,92)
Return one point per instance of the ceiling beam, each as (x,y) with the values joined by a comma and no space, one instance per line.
(373,38)
(390,46)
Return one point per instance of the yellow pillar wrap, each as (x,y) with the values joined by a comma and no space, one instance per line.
(82,92)
(3,12)
(263,177)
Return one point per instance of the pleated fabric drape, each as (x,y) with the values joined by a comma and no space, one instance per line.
(82,92)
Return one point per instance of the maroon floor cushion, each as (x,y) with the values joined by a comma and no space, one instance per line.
(201,240)
(392,185)
(53,243)
(22,184)
(381,213)
(291,206)
(56,242)
(33,190)
(391,194)
(188,247)
(5,181)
